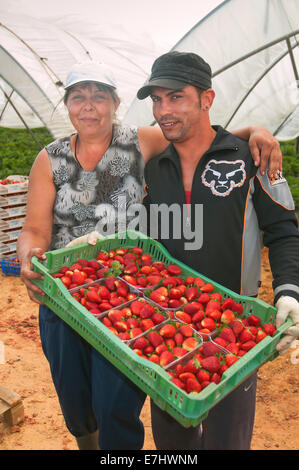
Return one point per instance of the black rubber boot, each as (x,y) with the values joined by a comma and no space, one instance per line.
(89,441)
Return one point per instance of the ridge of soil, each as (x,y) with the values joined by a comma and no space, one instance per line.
(25,371)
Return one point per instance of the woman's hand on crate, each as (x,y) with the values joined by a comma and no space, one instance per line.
(287,307)
(27,274)
(90,238)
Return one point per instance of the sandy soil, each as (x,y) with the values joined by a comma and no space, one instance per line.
(25,371)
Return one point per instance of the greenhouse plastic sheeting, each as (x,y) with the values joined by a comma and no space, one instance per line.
(252,47)
(35,56)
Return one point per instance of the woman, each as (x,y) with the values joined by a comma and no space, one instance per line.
(76,183)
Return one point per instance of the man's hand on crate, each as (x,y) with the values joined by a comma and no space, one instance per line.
(27,274)
(90,238)
(287,307)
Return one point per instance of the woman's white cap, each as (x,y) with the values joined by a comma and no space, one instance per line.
(90,72)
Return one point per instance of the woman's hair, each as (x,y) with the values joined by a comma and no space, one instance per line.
(100,87)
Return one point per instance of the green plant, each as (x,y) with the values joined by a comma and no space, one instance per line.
(18,150)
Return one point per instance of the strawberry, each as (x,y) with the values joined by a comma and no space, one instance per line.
(228,335)
(92,296)
(104,293)
(174,293)
(174,270)
(260,335)
(192,366)
(211,363)
(215,378)
(158,318)
(230,359)
(153,279)
(154,358)
(105,306)
(186,331)
(94,264)
(136,306)
(148,349)
(129,279)
(189,280)
(147,311)
(154,338)
(178,338)
(157,297)
(166,358)
(169,282)
(212,305)
(237,326)
(208,323)
(203,375)
(170,343)
(78,278)
(158,265)
(124,336)
(184,376)
(135,332)
(198,316)
(216,296)
(205,384)
(183,316)
(190,343)
(228,304)
(146,324)
(174,303)
(140,343)
(179,352)
(227,316)
(248,345)
(191,293)
(178,383)
(167,330)
(161,348)
(233,348)
(209,349)
(237,308)
(132,323)
(220,341)
(121,326)
(192,307)
(198,282)
(246,335)
(106,321)
(214,314)
(204,298)
(193,386)
(207,288)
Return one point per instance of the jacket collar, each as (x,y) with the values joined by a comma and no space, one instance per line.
(223,140)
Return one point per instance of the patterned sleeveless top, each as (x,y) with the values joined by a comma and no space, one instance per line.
(98,199)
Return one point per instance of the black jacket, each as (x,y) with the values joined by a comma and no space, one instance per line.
(230,203)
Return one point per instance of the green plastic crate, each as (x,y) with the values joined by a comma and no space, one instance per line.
(187,409)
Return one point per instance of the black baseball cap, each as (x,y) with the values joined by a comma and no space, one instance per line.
(175,70)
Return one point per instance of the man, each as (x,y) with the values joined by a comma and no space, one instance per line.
(208,166)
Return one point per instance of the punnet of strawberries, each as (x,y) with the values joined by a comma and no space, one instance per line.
(167,343)
(133,319)
(202,368)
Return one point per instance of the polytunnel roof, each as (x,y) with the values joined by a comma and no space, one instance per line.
(251,45)
(252,48)
(35,57)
